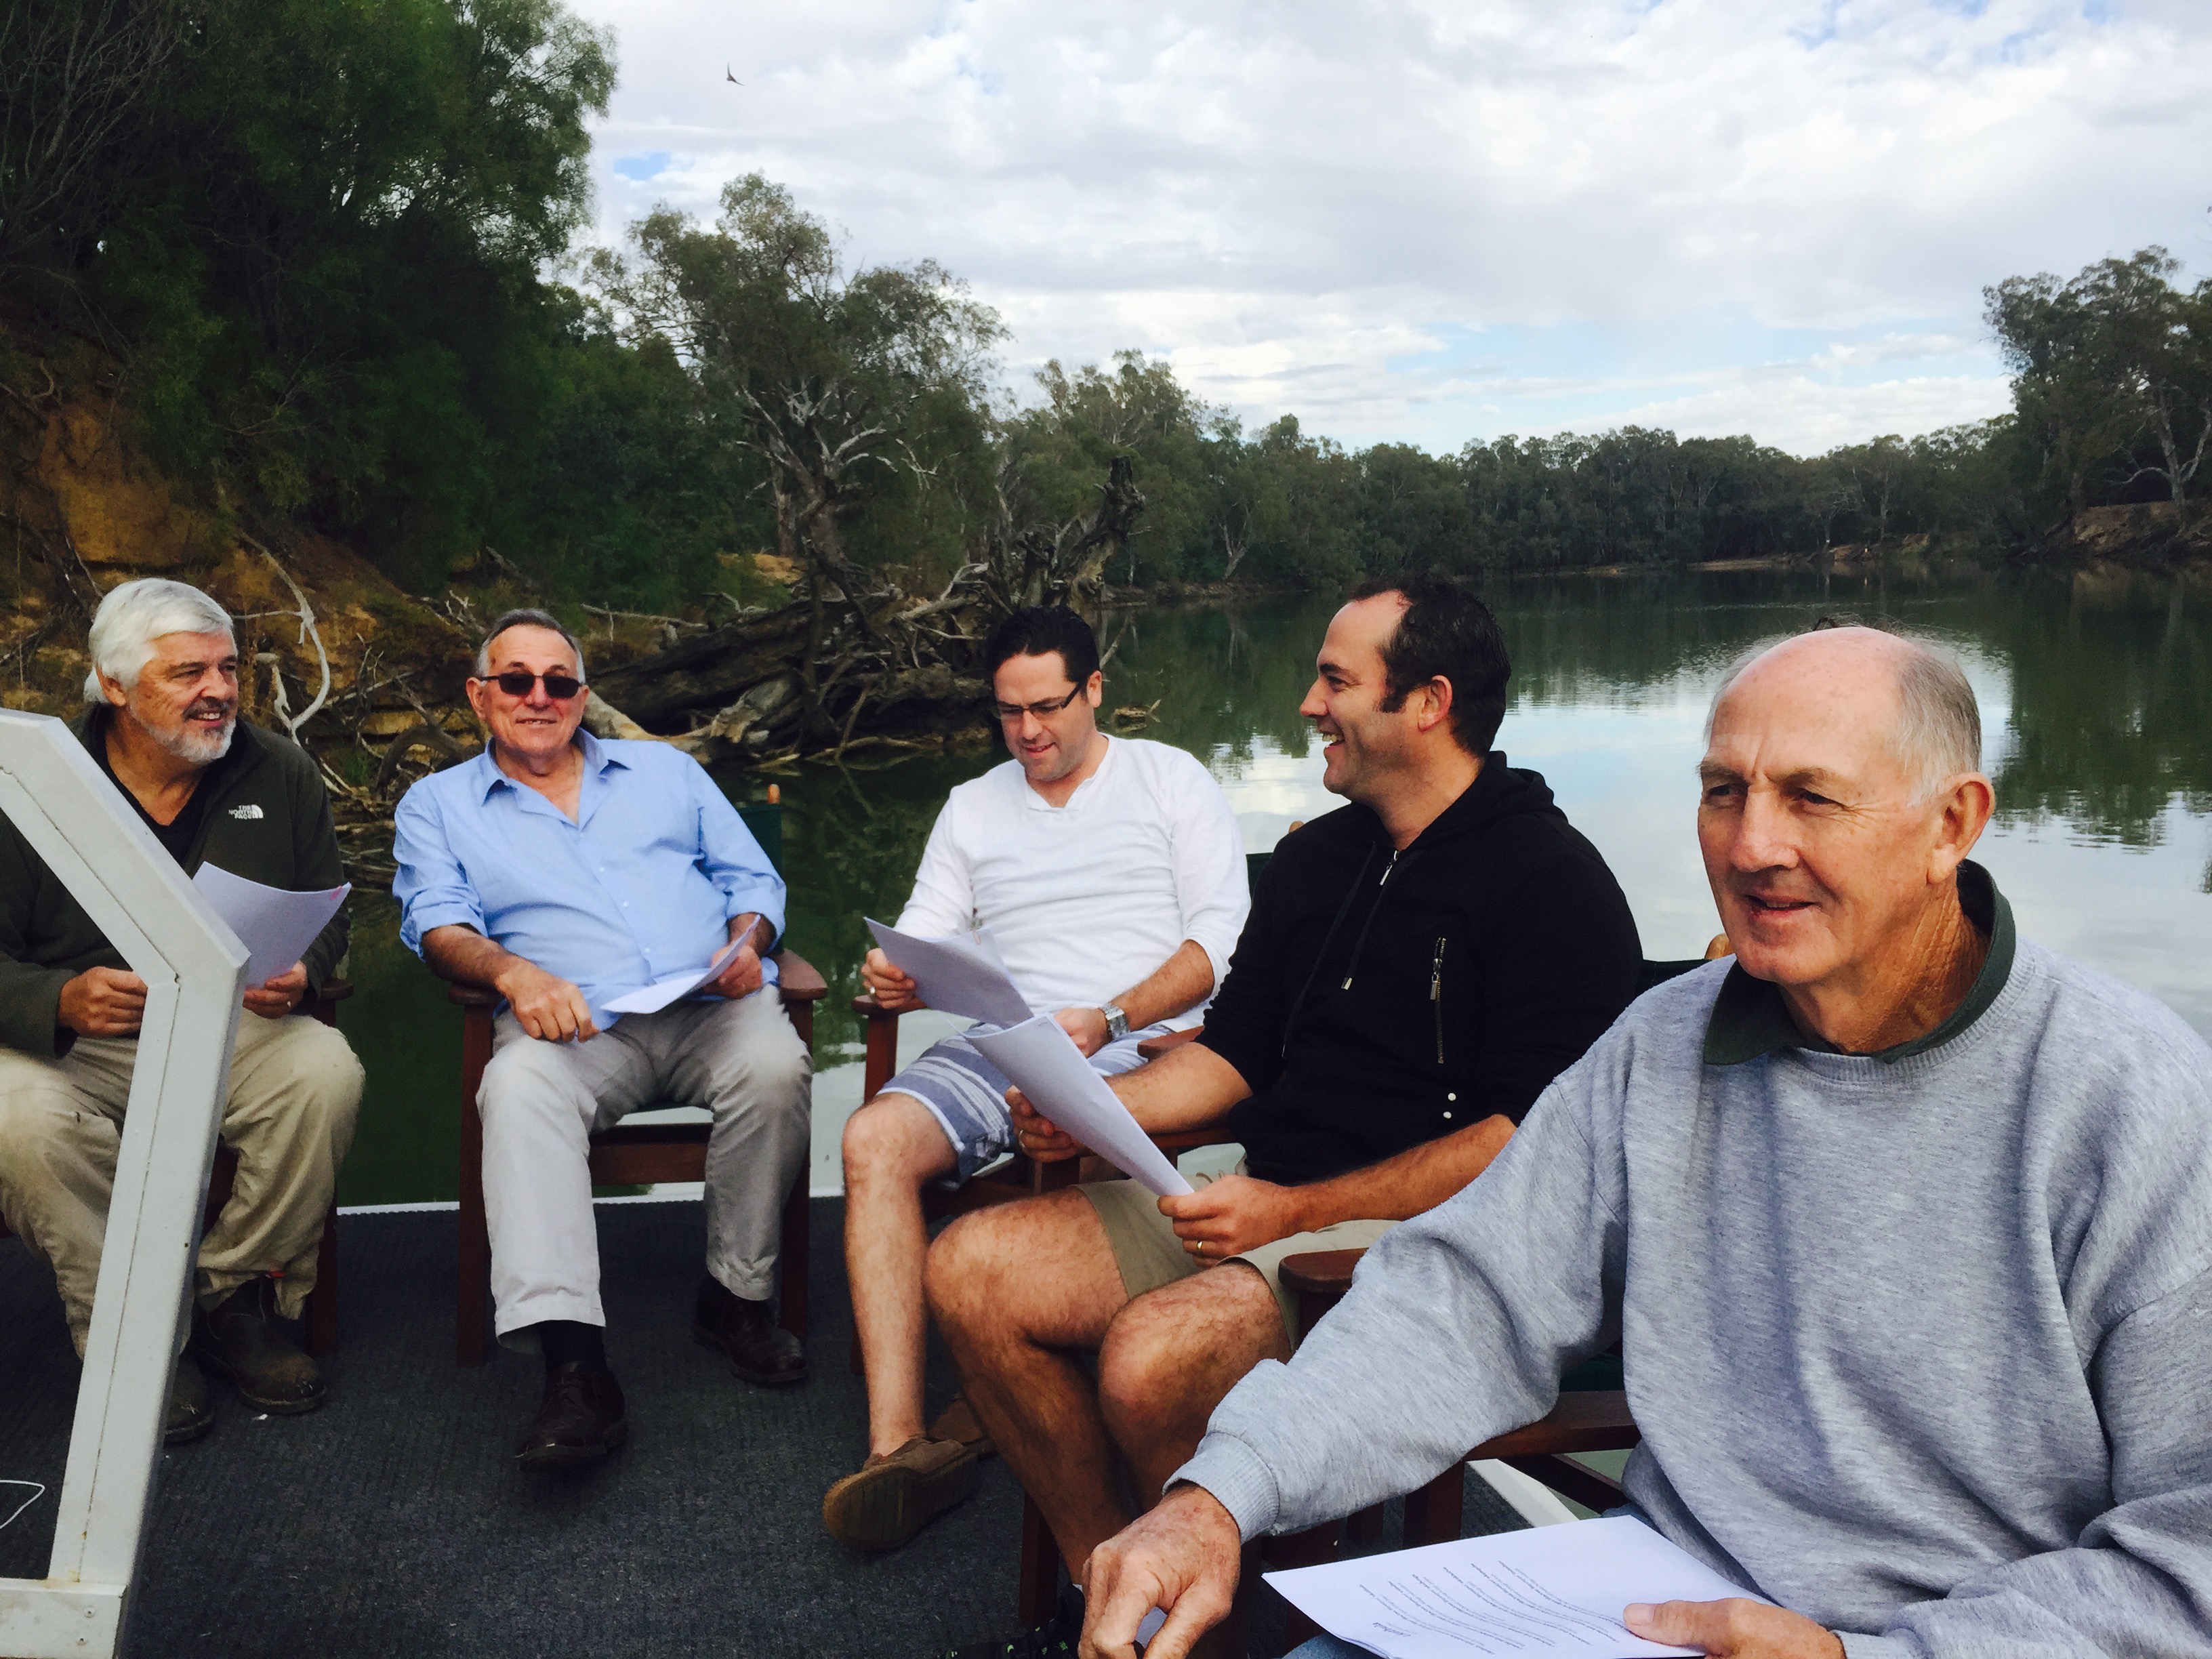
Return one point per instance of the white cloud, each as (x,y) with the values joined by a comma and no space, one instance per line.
(1309,208)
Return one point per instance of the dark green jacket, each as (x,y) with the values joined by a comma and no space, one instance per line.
(268,821)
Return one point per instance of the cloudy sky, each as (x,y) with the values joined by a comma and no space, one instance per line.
(1425,222)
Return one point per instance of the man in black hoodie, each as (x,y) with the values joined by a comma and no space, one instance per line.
(1416,967)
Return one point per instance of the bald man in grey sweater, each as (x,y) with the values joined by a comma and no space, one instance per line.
(1903,1223)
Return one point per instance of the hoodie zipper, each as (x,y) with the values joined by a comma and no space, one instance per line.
(1360,943)
(1437,997)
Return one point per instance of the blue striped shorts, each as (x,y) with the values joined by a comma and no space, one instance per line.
(967,1095)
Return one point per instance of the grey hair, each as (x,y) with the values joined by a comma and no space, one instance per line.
(135,614)
(1938,734)
(527,618)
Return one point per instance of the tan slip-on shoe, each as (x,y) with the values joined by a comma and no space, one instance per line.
(894,1496)
(957,1422)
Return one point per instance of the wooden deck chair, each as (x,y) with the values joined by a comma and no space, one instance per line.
(630,1153)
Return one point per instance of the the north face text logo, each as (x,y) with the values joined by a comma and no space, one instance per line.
(248,811)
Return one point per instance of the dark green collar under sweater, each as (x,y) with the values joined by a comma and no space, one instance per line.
(1750,1019)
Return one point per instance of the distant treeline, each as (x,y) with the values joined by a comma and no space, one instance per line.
(318,238)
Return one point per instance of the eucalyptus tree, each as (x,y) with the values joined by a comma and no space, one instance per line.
(2114,362)
(75,75)
(837,380)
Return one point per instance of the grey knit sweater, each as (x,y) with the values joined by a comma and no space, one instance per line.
(1920,1347)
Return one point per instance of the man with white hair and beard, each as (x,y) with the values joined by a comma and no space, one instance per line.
(163,725)
(1903,1224)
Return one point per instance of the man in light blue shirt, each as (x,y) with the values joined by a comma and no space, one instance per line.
(563,871)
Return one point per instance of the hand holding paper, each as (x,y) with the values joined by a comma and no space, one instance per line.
(275,926)
(1046,1065)
(651,999)
(1562,1590)
(961,974)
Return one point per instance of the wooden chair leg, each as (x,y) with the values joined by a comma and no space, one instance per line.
(1039,1584)
(472,1283)
(1432,1513)
(322,1309)
(879,1060)
(1308,1548)
(791,1260)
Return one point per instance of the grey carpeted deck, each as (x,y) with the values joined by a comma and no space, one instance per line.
(391,1522)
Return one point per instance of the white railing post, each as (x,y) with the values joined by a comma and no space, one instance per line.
(195,973)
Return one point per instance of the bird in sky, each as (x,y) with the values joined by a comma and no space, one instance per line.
(730,78)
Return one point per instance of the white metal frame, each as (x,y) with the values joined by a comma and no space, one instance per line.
(195,973)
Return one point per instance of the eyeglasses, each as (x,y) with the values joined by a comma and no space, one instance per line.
(517,684)
(1043,711)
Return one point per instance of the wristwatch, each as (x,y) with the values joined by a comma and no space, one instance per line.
(1117,1023)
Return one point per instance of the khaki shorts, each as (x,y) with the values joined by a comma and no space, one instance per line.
(1149,1255)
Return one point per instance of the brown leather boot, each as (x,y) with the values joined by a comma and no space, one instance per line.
(242,1338)
(581,1418)
(192,1412)
(760,1350)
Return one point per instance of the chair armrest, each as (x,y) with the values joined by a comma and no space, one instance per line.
(1319,1273)
(1172,1141)
(467,994)
(867,1007)
(1153,1046)
(1579,1423)
(335,990)
(802,980)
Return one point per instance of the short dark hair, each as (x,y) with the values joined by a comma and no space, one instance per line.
(527,618)
(1035,629)
(1445,633)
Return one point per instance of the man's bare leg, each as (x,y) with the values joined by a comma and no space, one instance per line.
(1019,1291)
(1172,1354)
(892,1145)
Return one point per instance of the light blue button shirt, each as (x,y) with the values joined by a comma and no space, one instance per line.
(641,885)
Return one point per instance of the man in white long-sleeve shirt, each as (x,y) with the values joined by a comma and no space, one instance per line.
(1903,1224)
(1110,874)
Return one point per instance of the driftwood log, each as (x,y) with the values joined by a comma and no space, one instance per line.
(836,668)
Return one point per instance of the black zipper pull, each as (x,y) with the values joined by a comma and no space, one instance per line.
(1437,997)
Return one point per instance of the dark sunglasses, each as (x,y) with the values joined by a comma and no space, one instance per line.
(1043,711)
(517,684)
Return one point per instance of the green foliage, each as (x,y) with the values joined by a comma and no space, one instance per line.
(317,232)
(2112,380)
(861,396)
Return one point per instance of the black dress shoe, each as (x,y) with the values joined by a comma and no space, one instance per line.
(241,1338)
(1055,1638)
(759,1350)
(580,1419)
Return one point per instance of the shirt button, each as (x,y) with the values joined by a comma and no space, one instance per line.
(1451,1097)
(1447,1114)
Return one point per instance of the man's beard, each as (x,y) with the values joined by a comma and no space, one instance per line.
(193,745)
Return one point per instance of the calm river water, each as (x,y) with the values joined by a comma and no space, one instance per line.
(2096,697)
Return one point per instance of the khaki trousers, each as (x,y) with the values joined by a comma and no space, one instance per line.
(541,1101)
(294,1086)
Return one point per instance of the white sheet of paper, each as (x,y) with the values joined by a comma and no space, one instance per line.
(651,999)
(1045,1065)
(275,926)
(961,974)
(1556,1590)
